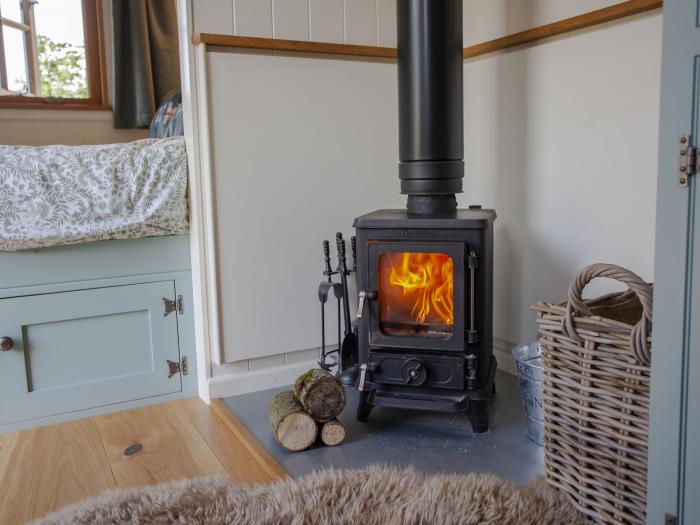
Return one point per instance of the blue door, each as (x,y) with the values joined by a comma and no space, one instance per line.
(88,348)
(674,458)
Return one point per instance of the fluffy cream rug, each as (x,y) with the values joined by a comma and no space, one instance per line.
(375,495)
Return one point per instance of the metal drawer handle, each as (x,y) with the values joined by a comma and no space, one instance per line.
(6,343)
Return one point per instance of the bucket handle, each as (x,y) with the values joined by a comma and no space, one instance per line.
(642,290)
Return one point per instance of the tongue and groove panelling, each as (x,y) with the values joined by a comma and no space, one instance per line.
(302,146)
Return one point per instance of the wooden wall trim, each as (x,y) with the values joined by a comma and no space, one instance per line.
(300,46)
(575,23)
(586,20)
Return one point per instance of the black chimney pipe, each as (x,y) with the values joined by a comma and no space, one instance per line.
(431,127)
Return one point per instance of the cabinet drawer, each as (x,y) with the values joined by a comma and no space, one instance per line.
(88,348)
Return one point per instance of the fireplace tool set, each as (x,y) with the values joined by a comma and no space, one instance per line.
(346,352)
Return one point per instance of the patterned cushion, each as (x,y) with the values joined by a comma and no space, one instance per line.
(167,122)
(56,195)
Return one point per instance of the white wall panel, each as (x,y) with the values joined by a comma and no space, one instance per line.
(213,16)
(71,132)
(20,132)
(326,20)
(302,356)
(266,362)
(386,23)
(525,14)
(98,131)
(361,22)
(291,19)
(484,20)
(300,148)
(561,139)
(102,132)
(46,132)
(38,127)
(252,17)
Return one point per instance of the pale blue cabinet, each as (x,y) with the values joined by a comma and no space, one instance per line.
(80,349)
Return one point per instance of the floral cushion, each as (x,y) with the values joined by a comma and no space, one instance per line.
(56,195)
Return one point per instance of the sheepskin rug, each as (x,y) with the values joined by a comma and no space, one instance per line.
(374,495)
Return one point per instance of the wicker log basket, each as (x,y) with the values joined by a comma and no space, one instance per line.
(596,395)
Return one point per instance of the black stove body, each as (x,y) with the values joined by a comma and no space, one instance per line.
(425,274)
(421,365)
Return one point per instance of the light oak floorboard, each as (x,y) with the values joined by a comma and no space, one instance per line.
(46,468)
(172,447)
(253,448)
(241,465)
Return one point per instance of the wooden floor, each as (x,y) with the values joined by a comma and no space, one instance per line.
(44,469)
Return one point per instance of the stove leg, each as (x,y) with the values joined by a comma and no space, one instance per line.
(479,416)
(364,407)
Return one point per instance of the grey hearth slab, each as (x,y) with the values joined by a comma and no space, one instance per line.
(429,441)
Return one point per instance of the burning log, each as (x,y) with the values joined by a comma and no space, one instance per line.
(321,394)
(332,432)
(294,429)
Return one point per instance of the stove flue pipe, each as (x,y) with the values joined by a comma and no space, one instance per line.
(431,122)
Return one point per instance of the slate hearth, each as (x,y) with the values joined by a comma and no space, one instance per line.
(430,441)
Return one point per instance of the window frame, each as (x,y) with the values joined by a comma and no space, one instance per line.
(94,61)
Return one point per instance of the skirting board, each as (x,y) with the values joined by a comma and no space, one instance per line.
(505,360)
(244,382)
(234,384)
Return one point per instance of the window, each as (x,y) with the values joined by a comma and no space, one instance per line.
(51,54)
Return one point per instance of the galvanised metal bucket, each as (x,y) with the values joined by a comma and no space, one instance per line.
(530,375)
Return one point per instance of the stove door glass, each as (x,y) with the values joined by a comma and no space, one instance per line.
(416,294)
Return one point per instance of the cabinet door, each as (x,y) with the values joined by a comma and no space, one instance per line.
(674,462)
(84,349)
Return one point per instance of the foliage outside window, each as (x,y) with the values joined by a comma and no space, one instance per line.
(62,69)
(50,53)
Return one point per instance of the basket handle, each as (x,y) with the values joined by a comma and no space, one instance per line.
(641,288)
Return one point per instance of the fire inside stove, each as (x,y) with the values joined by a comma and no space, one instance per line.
(416,294)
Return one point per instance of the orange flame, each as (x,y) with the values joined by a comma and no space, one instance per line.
(427,280)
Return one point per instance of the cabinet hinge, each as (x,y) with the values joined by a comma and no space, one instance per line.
(177,366)
(170,306)
(688,160)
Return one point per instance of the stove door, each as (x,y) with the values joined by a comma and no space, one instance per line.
(420,300)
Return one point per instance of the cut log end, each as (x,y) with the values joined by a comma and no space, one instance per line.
(321,394)
(293,428)
(332,433)
(296,432)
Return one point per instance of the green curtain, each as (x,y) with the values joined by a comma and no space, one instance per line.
(146,60)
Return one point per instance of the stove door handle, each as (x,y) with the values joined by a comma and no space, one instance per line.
(363,373)
(364,297)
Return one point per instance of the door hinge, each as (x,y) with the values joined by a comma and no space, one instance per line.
(177,366)
(670,519)
(170,306)
(687,160)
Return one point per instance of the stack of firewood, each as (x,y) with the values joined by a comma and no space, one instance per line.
(300,416)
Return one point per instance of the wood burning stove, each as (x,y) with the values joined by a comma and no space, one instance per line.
(424,274)
(424,318)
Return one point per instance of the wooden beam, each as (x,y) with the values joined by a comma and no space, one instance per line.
(298,46)
(593,18)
